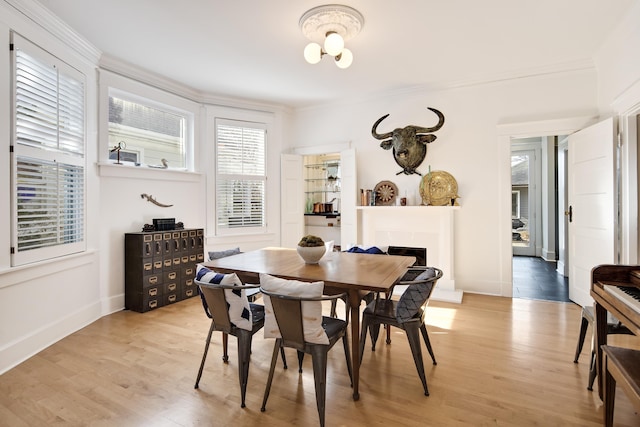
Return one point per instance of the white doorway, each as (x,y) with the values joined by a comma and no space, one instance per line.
(507,134)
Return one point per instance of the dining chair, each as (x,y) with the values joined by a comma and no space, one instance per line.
(614,326)
(293,315)
(252,293)
(407,314)
(231,313)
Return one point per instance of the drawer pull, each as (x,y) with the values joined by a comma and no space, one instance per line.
(172,298)
(172,287)
(153,280)
(153,292)
(153,304)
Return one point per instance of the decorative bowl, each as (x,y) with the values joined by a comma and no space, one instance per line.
(311,254)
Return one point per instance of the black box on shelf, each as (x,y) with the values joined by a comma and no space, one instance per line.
(162,224)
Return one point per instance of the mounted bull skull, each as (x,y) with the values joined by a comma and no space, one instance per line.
(409,143)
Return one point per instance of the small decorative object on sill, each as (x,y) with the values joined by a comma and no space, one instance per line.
(311,248)
(121,145)
(148,227)
(164,165)
(154,201)
(439,188)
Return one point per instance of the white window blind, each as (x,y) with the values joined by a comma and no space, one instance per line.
(240,177)
(48,164)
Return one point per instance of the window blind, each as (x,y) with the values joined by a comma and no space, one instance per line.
(48,177)
(241,178)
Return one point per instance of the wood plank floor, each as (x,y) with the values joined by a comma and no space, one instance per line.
(501,362)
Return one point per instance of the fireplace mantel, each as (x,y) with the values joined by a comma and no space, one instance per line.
(430,227)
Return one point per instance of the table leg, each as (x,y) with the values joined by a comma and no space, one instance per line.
(354,303)
(600,331)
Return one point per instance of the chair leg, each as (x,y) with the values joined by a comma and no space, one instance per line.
(583,333)
(204,355)
(334,303)
(413,336)
(374,331)
(284,358)
(427,341)
(319,360)
(347,353)
(300,360)
(593,370)
(274,359)
(388,328)
(363,334)
(244,355)
(225,346)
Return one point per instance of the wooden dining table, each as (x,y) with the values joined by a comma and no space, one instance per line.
(340,272)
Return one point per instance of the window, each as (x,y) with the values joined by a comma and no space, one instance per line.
(150,131)
(48,163)
(240,176)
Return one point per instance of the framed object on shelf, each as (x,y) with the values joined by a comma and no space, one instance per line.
(439,188)
(386,193)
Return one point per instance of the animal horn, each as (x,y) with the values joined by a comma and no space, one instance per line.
(432,129)
(377,135)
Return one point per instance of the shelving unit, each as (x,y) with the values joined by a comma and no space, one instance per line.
(322,182)
(322,185)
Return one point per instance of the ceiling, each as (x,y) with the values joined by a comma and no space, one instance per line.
(252,49)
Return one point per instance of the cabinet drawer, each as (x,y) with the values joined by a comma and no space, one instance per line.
(142,302)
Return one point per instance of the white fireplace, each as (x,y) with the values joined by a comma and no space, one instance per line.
(428,227)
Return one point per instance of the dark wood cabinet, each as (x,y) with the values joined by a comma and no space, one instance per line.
(160,267)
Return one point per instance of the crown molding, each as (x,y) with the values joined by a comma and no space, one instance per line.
(45,19)
(125,69)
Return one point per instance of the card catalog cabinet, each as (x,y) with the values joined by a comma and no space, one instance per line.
(160,267)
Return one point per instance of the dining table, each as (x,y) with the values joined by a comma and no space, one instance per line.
(355,274)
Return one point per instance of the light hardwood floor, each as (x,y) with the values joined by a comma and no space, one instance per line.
(501,362)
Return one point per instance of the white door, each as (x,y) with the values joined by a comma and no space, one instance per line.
(291,200)
(348,198)
(523,202)
(592,205)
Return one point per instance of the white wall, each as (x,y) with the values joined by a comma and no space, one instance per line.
(468,147)
(43,302)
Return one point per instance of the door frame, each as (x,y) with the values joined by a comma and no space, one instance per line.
(506,132)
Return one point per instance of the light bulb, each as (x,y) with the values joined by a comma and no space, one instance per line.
(333,44)
(313,53)
(345,59)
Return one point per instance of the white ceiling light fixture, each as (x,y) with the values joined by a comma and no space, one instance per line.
(328,27)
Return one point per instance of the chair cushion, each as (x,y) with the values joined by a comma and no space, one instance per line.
(414,297)
(239,309)
(370,250)
(222,254)
(311,310)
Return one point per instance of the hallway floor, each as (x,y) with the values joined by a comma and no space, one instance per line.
(535,278)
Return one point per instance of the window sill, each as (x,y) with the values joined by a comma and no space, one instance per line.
(145,172)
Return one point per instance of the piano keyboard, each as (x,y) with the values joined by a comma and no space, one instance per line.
(629,295)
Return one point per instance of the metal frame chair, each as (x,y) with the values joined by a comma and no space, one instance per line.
(385,311)
(216,307)
(288,313)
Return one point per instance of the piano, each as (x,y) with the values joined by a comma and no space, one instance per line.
(615,289)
